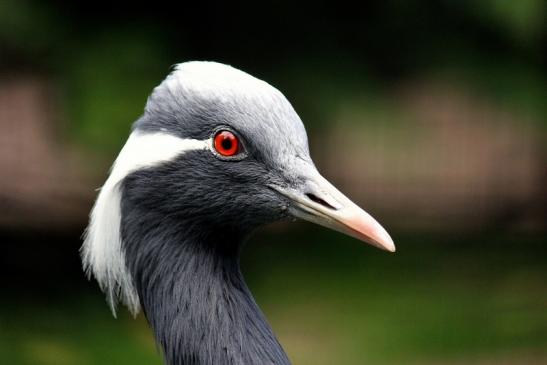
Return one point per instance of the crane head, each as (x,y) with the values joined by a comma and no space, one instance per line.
(219,149)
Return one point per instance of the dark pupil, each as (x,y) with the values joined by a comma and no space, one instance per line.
(226,144)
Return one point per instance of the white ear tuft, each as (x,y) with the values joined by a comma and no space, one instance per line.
(102,252)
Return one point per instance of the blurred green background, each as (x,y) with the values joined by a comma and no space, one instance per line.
(430,114)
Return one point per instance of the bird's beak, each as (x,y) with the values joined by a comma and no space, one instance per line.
(318,201)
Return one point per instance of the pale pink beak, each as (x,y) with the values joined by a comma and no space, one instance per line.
(318,201)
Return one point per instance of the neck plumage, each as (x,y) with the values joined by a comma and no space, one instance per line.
(195,299)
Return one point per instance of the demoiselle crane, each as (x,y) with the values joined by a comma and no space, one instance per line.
(216,154)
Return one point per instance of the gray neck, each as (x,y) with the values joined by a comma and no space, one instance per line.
(194,296)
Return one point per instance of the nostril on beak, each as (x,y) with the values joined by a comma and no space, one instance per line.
(318,200)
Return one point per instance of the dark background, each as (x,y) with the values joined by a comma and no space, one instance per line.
(430,114)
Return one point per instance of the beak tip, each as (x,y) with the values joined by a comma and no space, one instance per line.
(382,239)
(387,245)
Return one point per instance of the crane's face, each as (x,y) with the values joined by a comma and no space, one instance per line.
(242,159)
(216,149)
(224,182)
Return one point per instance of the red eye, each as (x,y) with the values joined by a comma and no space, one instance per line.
(226,143)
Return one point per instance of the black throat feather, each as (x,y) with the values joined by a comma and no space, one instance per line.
(192,291)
